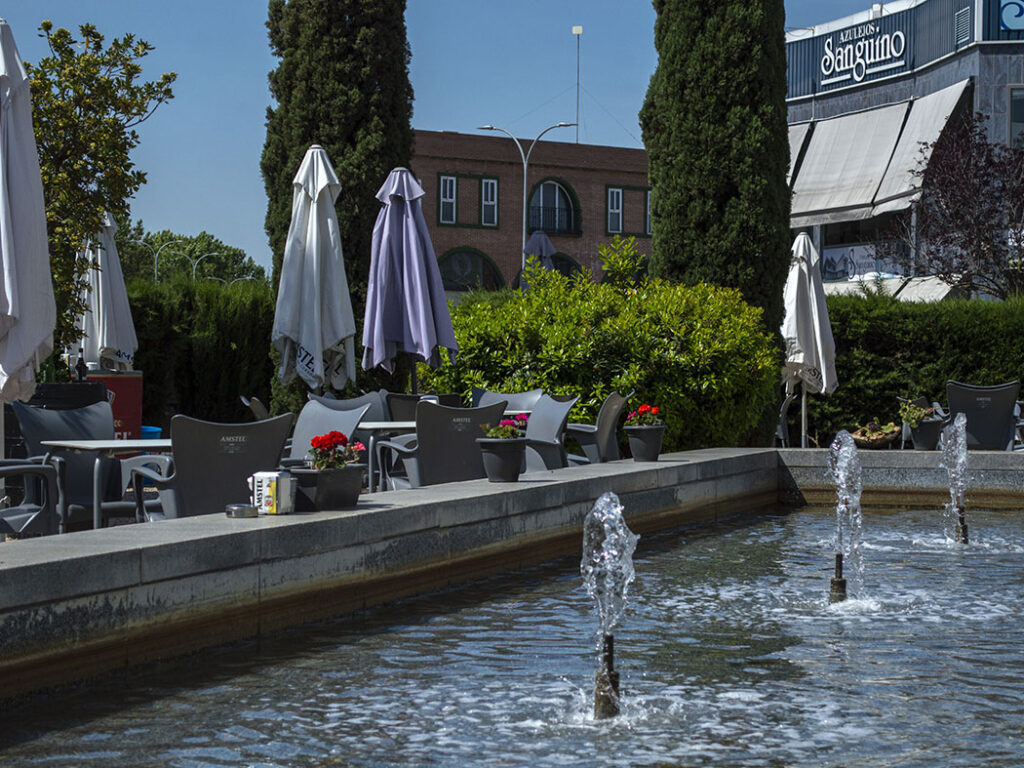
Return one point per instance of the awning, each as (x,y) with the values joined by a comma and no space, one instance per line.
(844,165)
(797,137)
(928,116)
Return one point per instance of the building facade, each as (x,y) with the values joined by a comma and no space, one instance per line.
(866,91)
(579,195)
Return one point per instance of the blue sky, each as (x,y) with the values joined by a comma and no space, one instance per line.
(474,62)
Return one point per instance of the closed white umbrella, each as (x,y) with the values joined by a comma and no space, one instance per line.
(314,329)
(108,331)
(28,313)
(810,348)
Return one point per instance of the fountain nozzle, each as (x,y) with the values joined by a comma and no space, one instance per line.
(837,588)
(606,685)
(961,525)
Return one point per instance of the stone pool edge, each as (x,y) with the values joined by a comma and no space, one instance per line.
(76,606)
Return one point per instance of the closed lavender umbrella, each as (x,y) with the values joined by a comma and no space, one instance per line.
(108,331)
(540,245)
(28,314)
(314,329)
(406,309)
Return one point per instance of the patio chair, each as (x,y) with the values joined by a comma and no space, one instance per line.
(37,515)
(991,423)
(76,470)
(259,410)
(212,465)
(445,448)
(599,441)
(516,401)
(315,418)
(546,434)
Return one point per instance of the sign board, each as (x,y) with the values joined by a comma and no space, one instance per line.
(848,262)
(126,402)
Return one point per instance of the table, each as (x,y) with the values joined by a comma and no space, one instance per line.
(107,448)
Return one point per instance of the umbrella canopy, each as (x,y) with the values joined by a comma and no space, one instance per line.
(28,314)
(314,329)
(108,332)
(406,309)
(539,245)
(810,349)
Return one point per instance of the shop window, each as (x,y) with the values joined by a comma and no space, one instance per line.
(1017,116)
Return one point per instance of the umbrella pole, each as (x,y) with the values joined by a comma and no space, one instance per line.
(803,416)
(414,385)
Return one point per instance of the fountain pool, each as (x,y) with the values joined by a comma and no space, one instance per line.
(729,654)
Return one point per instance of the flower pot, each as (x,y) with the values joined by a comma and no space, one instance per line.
(503,459)
(926,435)
(324,489)
(645,442)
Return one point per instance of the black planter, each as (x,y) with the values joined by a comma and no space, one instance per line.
(503,459)
(926,435)
(319,490)
(645,442)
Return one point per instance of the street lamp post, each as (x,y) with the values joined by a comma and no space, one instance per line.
(156,253)
(195,264)
(526,164)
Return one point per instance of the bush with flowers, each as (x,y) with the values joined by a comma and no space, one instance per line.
(333,450)
(645,416)
(508,429)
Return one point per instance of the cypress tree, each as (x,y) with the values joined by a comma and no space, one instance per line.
(342,83)
(714,125)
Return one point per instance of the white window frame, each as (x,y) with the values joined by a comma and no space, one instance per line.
(448,197)
(488,201)
(614,209)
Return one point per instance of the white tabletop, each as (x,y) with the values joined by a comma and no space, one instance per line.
(383,426)
(111,446)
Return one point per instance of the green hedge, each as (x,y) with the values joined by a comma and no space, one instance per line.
(201,345)
(887,348)
(698,352)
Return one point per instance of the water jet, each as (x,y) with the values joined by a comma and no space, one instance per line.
(954,459)
(607,570)
(844,468)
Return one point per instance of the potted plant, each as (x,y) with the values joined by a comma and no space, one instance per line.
(875,435)
(925,425)
(503,448)
(334,479)
(645,429)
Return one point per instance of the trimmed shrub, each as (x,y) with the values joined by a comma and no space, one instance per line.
(201,345)
(886,348)
(699,352)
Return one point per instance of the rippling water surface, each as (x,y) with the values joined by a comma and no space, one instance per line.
(729,655)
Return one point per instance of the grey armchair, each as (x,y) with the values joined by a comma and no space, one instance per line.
(599,441)
(444,449)
(212,464)
(545,432)
(991,423)
(516,401)
(317,419)
(76,469)
(37,515)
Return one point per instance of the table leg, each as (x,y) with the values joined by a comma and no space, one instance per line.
(97,515)
(371,461)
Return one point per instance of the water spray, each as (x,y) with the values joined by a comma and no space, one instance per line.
(954,459)
(844,468)
(607,569)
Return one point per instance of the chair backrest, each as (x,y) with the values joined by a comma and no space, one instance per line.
(317,419)
(607,426)
(516,401)
(989,410)
(254,404)
(401,406)
(376,400)
(213,461)
(91,422)
(446,447)
(548,418)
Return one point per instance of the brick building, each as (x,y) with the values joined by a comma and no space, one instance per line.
(579,195)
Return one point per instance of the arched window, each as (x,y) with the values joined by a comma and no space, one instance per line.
(464,269)
(551,209)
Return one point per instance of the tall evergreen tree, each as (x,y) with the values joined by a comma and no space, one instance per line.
(342,83)
(714,125)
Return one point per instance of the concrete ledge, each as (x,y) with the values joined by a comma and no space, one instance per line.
(78,605)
